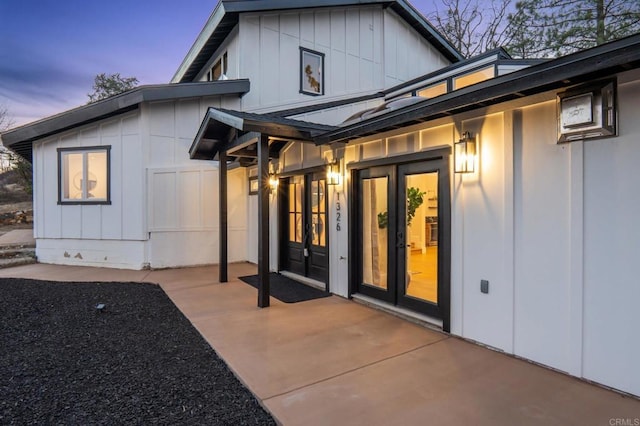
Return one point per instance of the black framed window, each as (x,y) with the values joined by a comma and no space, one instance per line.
(84,175)
(311,72)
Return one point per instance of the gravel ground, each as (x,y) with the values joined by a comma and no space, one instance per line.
(139,361)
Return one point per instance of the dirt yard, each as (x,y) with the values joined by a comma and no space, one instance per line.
(14,215)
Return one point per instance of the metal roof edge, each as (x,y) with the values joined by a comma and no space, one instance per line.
(119,104)
(203,37)
(612,57)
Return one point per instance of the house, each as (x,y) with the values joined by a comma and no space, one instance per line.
(347,144)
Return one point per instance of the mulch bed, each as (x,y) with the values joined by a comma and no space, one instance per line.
(138,361)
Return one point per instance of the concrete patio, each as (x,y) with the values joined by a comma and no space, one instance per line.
(333,361)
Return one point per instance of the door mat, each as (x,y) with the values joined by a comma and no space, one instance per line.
(287,290)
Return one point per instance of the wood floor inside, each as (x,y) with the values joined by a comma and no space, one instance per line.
(422,273)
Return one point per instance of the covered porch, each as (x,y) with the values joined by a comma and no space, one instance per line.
(235,138)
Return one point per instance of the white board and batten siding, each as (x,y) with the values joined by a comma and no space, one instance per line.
(93,235)
(551,227)
(183,203)
(367,49)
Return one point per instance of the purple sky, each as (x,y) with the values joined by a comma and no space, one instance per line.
(51,50)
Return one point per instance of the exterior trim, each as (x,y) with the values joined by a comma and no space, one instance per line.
(20,138)
(84,149)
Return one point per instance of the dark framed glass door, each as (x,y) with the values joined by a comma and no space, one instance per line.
(304,224)
(402,235)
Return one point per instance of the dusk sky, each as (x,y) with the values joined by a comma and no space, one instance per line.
(51,50)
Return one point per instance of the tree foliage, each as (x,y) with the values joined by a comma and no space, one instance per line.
(474,26)
(10,161)
(535,28)
(105,86)
(550,28)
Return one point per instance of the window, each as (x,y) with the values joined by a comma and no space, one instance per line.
(311,72)
(218,69)
(474,77)
(433,90)
(84,175)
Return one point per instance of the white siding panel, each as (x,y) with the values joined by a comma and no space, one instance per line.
(353,42)
(406,53)
(353,34)
(290,25)
(542,239)
(164,207)
(269,74)
(210,202)
(162,119)
(611,247)
(111,222)
(161,150)
(134,190)
(487,317)
(323,29)
(307,30)
(189,199)
(91,222)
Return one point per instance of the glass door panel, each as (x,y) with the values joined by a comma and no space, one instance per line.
(421,278)
(375,231)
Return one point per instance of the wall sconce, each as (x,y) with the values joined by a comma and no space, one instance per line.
(465,154)
(273,182)
(333,173)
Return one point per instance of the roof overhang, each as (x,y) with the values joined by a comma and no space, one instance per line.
(234,131)
(226,16)
(580,67)
(20,139)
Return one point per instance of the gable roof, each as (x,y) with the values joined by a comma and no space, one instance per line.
(20,139)
(226,16)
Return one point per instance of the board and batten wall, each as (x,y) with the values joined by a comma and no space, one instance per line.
(551,227)
(366,49)
(93,235)
(183,202)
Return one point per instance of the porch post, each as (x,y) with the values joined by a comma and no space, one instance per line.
(222,272)
(263,222)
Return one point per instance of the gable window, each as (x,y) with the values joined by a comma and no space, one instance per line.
(311,72)
(218,69)
(84,176)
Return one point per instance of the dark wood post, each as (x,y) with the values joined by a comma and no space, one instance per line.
(263,222)
(223,278)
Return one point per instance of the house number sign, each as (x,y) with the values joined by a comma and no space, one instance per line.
(338,213)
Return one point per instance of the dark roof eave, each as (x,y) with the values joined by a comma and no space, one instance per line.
(579,67)
(218,124)
(119,104)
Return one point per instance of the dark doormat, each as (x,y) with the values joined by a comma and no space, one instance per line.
(287,290)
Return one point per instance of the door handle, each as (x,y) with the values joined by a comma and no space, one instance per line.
(400,240)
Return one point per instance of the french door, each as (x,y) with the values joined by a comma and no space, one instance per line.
(304,224)
(402,235)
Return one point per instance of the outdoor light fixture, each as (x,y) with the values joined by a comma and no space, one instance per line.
(273,182)
(465,154)
(333,173)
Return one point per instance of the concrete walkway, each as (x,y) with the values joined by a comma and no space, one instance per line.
(334,362)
